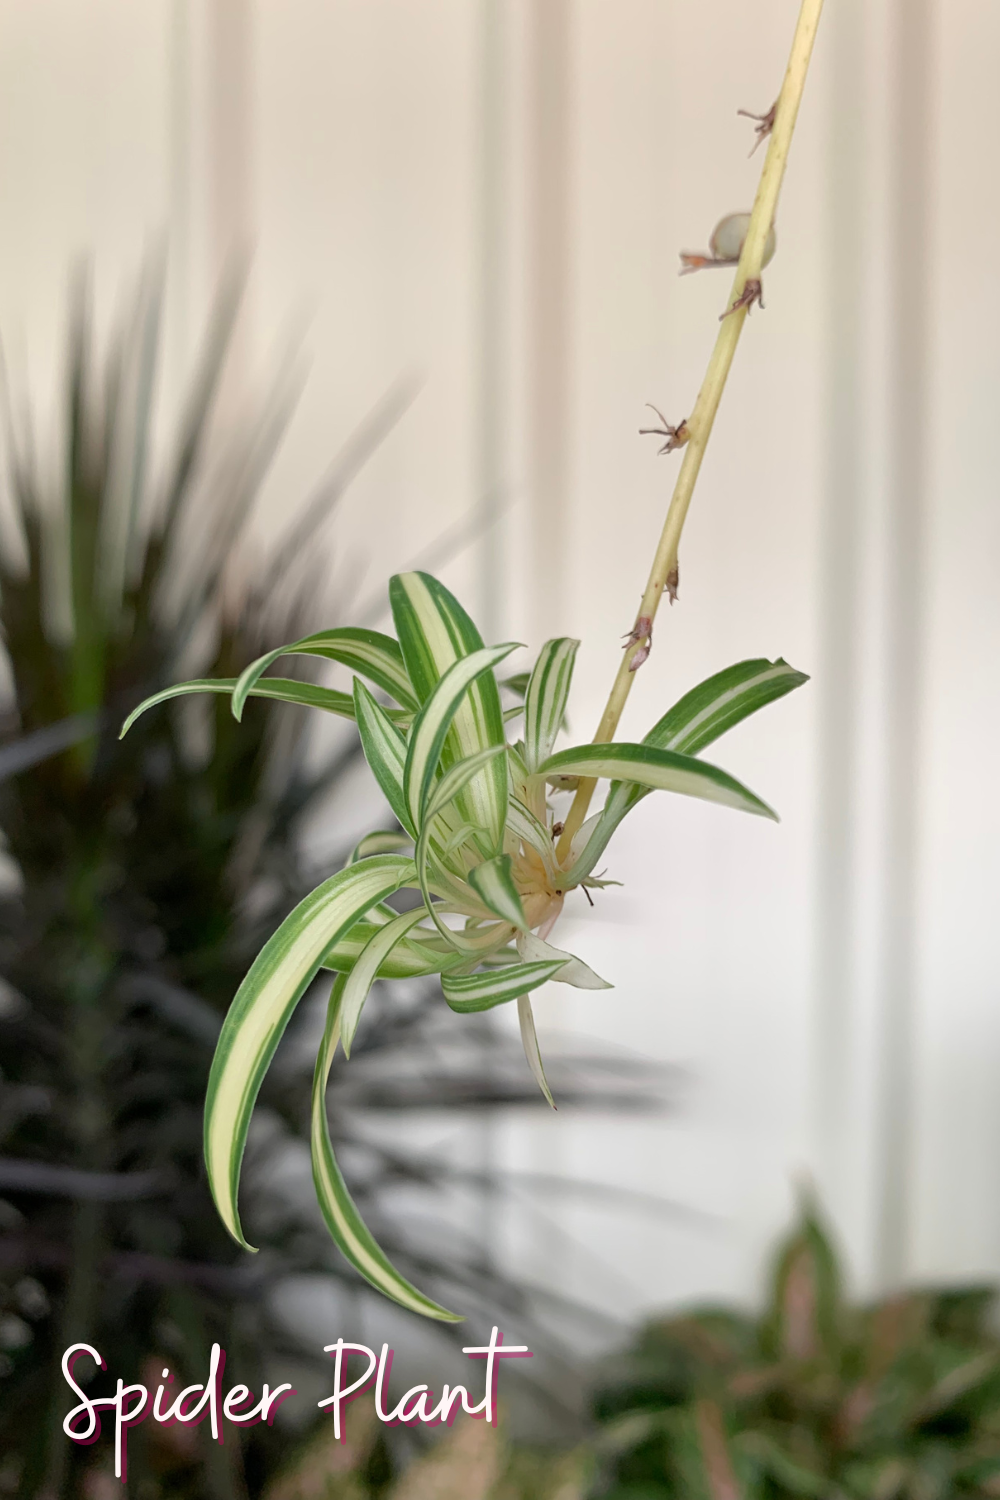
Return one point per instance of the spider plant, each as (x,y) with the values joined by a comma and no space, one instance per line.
(478,848)
(143,876)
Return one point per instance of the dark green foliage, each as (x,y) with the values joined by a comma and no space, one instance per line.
(895,1401)
(146,873)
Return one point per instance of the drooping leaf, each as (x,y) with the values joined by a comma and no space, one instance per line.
(493,883)
(413,956)
(532,1051)
(474,992)
(546,697)
(387,842)
(435,631)
(263,1005)
(367,652)
(573,971)
(351,1234)
(365,971)
(385,751)
(664,770)
(281,689)
(431,726)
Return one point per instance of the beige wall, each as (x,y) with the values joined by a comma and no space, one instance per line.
(504,219)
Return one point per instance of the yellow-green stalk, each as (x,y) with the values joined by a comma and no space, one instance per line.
(702,419)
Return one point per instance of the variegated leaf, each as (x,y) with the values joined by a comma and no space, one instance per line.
(715,705)
(664,770)
(432,878)
(573,971)
(545,700)
(389,842)
(474,992)
(264,1003)
(493,883)
(349,1230)
(282,689)
(385,751)
(431,726)
(415,955)
(532,1051)
(366,971)
(435,631)
(698,719)
(368,652)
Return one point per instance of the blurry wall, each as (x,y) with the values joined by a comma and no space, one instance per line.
(491,195)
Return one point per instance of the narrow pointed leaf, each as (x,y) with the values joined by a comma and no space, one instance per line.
(529,1040)
(435,631)
(698,719)
(545,700)
(473,992)
(350,1232)
(385,751)
(715,705)
(366,970)
(263,1005)
(526,827)
(413,956)
(281,689)
(389,842)
(447,790)
(431,726)
(368,652)
(573,970)
(663,770)
(493,883)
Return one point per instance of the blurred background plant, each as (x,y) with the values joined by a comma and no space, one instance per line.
(897,1400)
(141,878)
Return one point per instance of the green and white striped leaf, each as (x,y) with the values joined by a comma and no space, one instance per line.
(389,842)
(529,1041)
(368,652)
(264,1003)
(366,971)
(431,726)
(493,883)
(385,751)
(429,871)
(413,956)
(663,770)
(350,1232)
(572,971)
(694,722)
(435,631)
(715,705)
(546,698)
(474,992)
(283,689)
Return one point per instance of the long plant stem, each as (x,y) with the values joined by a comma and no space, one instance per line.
(702,419)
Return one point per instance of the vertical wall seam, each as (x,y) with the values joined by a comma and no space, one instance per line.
(909,359)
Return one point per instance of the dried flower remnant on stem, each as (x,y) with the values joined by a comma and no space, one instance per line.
(764,125)
(640,635)
(752,293)
(676,436)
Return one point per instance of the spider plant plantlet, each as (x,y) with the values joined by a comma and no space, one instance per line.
(479,842)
